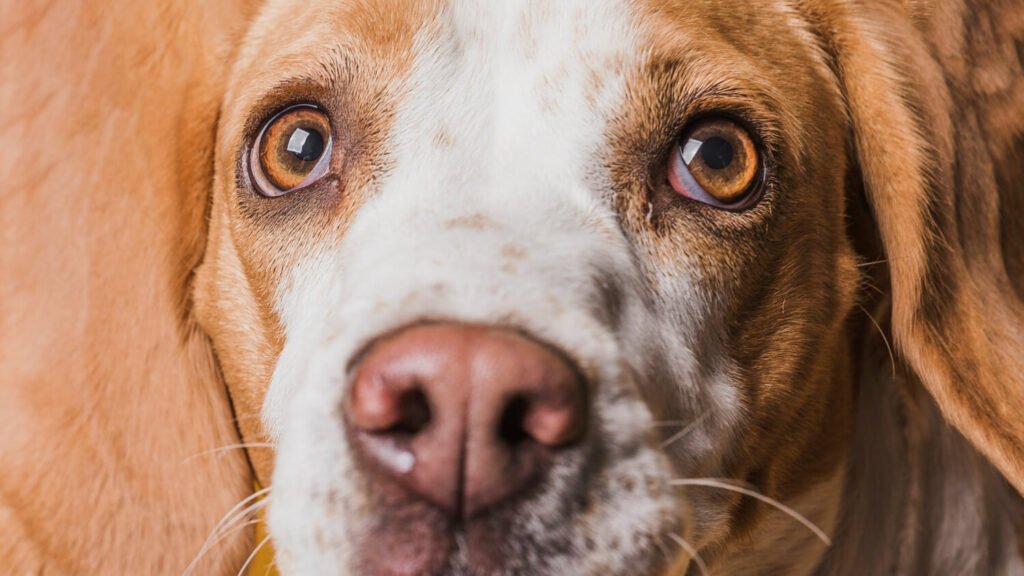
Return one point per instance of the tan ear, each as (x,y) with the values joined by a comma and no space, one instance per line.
(110,402)
(930,179)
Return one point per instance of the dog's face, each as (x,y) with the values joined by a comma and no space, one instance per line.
(628,216)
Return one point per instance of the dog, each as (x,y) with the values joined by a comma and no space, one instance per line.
(527,287)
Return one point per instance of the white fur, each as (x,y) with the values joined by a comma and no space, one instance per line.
(497,210)
(506,222)
(511,163)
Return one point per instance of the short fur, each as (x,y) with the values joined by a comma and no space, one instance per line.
(851,346)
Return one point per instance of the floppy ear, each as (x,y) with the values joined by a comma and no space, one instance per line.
(929,178)
(110,402)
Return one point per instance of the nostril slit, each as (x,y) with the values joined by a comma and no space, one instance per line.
(512,428)
(414,409)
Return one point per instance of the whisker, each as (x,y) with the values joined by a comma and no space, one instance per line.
(253,555)
(682,433)
(728,485)
(270,568)
(872,263)
(692,552)
(867,283)
(247,502)
(230,517)
(230,531)
(228,448)
(252,508)
(885,339)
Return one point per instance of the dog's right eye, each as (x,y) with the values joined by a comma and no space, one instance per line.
(292,151)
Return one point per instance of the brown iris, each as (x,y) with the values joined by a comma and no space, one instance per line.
(717,163)
(292,150)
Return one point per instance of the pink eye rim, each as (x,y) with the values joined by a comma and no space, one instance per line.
(718,162)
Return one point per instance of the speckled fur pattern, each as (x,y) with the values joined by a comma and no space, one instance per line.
(849,346)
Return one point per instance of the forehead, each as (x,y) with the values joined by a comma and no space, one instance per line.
(533,102)
(460,65)
(556,55)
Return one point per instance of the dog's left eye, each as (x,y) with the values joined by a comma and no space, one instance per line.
(292,151)
(716,162)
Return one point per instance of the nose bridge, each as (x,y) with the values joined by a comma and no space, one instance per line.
(542,269)
(483,246)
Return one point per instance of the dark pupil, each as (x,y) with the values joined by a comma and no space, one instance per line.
(307,145)
(716,153)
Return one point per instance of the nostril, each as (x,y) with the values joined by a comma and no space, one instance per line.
(385,406)
(556,416)
(550,420)
(511,427)
(463,416)
(414,413)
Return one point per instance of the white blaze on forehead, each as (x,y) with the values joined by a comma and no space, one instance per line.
(495,209)
(513,96)
(500,123)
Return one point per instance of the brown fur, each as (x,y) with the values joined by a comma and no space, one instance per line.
(956,318)
(245,258)
(108,117)
(785,326)
(108,388)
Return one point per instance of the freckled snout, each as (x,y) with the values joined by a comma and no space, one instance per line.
(463,416)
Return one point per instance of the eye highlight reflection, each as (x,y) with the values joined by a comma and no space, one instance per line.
(716,162)
(292,151)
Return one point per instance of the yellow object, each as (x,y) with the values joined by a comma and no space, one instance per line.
(262,563)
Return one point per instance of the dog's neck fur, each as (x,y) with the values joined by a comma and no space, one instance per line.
(917,498)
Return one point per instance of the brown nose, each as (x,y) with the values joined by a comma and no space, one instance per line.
(464,416)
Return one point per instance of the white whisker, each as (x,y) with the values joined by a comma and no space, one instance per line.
(726,484)
(223,449)
(682,433)
(692,552)
(872,263)
(230,517)
(253,555)
(252,508)
(229,531)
